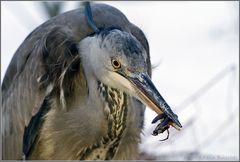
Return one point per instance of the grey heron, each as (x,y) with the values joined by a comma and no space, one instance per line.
(76,89)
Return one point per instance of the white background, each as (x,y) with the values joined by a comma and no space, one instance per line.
(191,42)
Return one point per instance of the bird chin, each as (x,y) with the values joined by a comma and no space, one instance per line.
(119,82)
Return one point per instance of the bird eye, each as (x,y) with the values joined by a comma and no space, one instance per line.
(116,64)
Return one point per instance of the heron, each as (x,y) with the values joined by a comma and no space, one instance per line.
(77,88)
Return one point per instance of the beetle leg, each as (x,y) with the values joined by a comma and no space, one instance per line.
(159,117)
(166,137)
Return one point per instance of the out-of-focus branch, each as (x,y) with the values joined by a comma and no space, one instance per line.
(52,8)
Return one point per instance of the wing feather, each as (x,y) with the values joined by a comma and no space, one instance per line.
(32,130)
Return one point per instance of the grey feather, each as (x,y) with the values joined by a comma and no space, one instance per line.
(48,61)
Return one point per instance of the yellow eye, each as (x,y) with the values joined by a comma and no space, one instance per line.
(116,64)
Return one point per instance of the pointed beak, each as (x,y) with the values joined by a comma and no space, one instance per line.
(149,95)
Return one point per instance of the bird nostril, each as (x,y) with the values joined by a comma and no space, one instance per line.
(130,70)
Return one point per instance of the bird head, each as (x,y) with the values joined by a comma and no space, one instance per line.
(117,59)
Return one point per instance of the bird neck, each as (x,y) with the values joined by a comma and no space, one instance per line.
(115,110)
(115,105)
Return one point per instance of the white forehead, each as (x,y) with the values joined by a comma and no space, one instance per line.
(117,41)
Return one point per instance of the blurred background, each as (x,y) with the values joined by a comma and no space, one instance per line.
(194,48)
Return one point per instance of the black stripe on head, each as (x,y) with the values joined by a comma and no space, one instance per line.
(104,31)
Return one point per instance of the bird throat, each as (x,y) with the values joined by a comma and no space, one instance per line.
(115,109)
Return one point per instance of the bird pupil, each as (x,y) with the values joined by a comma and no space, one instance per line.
(116,63)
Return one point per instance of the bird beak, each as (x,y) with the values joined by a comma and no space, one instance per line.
(149,95)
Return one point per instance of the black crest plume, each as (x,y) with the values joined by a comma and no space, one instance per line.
(89,17)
